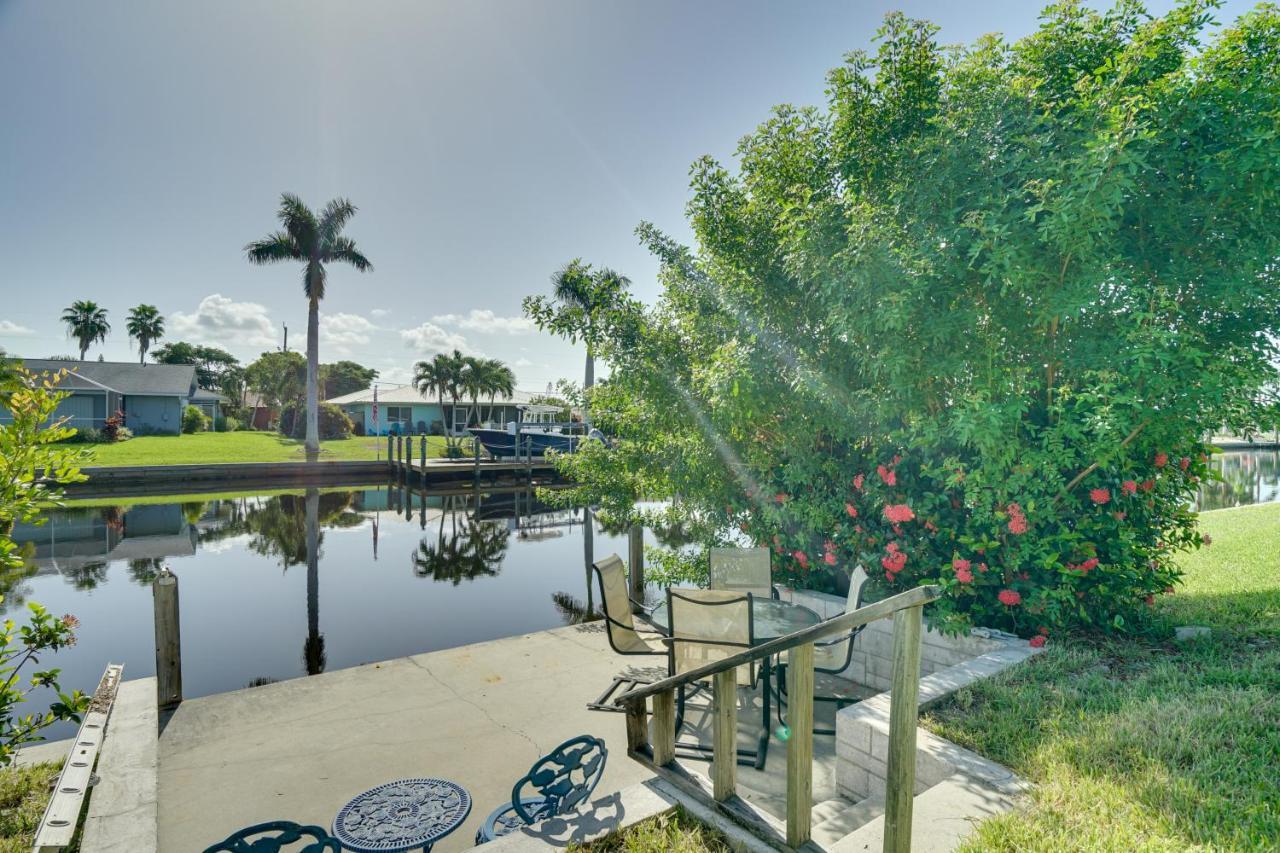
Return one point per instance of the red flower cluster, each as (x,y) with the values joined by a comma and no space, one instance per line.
(801,558)
(1162,459)
(1017,520)
(1100,496)
(893,561)
(898,513)
(1037,641)
(1129,487)
(888,475)
(781,497)
(1184,463)
(829,552)
(1009,597)
(962,570)
(857,481)
(852,510)
(1085,567)
(1147,485)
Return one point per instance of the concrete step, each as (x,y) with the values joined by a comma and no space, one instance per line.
(941,818)
(840,817)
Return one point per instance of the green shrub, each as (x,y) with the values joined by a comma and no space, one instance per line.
(194,420)
(228,424)
(332,422)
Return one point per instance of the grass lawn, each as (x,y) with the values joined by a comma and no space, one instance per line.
(244,446)
(24,792)
(675,831)
(1146,745)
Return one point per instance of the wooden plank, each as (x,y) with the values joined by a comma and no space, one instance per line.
(58,826)
(164,591)
(637,728)
(724,741)
(799,744)
(664,727)
(838,625)
(903,715)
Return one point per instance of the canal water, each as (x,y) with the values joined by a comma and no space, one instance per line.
(395,574)
(1249,476)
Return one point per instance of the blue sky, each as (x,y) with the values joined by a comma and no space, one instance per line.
(143,144)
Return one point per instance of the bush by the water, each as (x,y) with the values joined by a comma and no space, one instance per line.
(332,422)
(967,325)
(194,420)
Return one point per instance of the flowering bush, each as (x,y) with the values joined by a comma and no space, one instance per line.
(969,324)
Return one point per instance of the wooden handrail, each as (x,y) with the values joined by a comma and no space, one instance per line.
(845,622)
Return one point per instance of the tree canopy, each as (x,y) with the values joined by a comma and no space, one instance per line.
(212,363)
(970,322)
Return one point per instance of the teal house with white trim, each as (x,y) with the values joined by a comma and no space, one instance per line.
(403,410)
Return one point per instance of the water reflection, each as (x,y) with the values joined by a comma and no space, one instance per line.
(1247,477)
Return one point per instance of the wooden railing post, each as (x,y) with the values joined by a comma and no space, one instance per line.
(664,727)
(903,715)
(164,590)
(424,454)
(635,565)
(637,727)
(799,744)
(724,737)
(391,446)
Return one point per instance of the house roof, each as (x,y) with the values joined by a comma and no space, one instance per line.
(406,394)
(161,380)
(206,394)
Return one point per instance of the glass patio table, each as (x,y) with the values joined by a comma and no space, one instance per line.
(771,619)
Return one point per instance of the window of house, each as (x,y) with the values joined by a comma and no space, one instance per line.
(399,418)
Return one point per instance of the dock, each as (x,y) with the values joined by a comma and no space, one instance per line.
(407,463)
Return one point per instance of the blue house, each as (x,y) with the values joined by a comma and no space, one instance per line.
(404,410)
(151,396)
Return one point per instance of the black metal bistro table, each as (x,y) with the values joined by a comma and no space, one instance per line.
(408,814)
(771,619)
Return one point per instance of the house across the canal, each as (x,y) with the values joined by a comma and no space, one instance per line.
(403,410)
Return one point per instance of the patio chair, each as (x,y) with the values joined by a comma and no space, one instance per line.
(830,657)
(620,626)
(556,784)
(275,836)
(742,570)
(709,625)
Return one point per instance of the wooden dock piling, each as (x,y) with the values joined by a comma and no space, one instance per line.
(164,590)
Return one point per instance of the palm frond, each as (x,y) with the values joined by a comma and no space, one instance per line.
(344,249)
(571,284)
(279,246)
(335,215)
(300,222)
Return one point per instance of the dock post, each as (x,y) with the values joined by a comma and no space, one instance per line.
(164,591)
(475,444)
(635,563)
(390,446)
(400,453)
(424,457)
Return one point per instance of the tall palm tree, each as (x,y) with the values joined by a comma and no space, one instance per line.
(577,286)
(443,375)
(87,323)
(501,380)
(475,381)
(315,241)
(146,326)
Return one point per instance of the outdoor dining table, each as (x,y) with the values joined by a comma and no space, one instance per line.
(771,618)
(409,814)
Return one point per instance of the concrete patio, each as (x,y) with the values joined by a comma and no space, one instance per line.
(478,715)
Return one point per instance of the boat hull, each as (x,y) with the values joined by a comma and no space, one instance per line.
(501,443)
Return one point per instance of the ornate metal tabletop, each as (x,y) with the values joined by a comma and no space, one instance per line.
(403,815)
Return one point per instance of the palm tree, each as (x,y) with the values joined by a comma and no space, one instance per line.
(146,326)
(315,241)
(87,323)
(475,381)
(501,380)
(442,375)
(577,286)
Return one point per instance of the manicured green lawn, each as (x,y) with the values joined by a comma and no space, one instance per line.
(1149,745)
(674,832)
(24,793)
(245,446)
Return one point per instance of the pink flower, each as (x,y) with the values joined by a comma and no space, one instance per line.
(801,558)
(70,621)
(829,558)
(894,560)
(1089,565)
(1009,598)
(889,477)
(1147,485)
(1099,496)
(857,481)
(898,513)
(852,510)
(828,545)
(780,497)
(1162,459)
(964,575)
(960,564)
(1184,463)
(1129,487)
(1017,520)
(1037,641)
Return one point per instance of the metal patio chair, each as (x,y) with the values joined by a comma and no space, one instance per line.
(742,570)
(276,836)
(830,657)
(620,626)
(556,784)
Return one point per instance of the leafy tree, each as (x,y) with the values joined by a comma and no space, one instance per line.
(315,241)
(345,377)
(146,326)
(213,364)
(279,378)
(87,323)
(443,375)
(969,323)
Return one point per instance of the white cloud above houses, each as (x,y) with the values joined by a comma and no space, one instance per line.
(429,339)
(221,321)
(10,329)
(484,320)
(345,332)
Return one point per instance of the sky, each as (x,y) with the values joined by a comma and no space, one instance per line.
(143,144)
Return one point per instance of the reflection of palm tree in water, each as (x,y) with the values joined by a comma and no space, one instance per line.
(144,570)
(313,657)
(476,550)
(572,611)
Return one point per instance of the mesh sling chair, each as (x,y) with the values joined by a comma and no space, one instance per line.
(830,657)
(277,836)
(742,570)
(709,625)
(620,626)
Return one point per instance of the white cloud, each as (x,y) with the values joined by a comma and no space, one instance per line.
(484,320)
(344,331)
(379,312)
(10,329)
(430,338)
(523,362)
(221,321)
